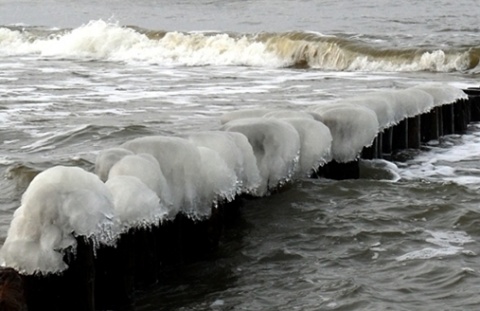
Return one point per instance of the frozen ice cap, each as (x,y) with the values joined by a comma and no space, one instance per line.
(315,144)
(236,152)
(107,158)
(352,127)
(135,204)
(145,167)
(59,204)
(181,164)
(243,114)
(219,179)
(276,146)
(442,94)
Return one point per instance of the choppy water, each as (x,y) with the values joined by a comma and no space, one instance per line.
(74,80)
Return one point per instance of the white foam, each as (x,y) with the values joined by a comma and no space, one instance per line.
(448,243)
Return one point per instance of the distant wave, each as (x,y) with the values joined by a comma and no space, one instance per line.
(112,42)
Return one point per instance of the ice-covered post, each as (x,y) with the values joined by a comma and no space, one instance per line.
(65,212)
(414,132)
(474,99)
(12,296)
(400,136)
(430,125)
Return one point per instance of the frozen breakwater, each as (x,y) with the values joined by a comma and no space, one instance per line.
(87,240)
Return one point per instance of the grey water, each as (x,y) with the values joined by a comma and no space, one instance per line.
(77,77)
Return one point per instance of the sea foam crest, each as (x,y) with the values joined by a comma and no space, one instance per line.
(105,40)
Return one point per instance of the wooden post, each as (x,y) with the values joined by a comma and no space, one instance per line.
(400,136)
(430,124)
(448,119)
(387,142)
(414,132)
(12,296)
(73,289)
(461,116)
(114,282)
(340,171)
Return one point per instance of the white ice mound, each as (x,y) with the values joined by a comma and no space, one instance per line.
(382,104)
(286,114)
(250,174)
(181,164)
(59,204)
(352,127)
(243,114)
(411,102)
(443,94)
(220,180)
(315,144)
(136,205)
(145,167)
(276,145)
(235,152)
(106,159)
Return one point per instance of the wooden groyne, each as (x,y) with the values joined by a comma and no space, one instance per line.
(412,133)
(105,277)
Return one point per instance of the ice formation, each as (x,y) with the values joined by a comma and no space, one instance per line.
(146,168)
(60,204)
(276,145)
(315,144)
(352,127)
(219,180)
(181,165)
(443,94)
(243,114)
(107,158)
(135,204)
(235,151)
(150,179)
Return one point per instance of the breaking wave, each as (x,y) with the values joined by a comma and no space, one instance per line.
(101,40)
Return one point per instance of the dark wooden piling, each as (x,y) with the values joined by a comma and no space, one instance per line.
(400,135)
(414,132)
(115,271)
(448,119)
(339,171)
(12,295)
(430,125)
(461,116)
(73,289)
(387,142)
(474,102)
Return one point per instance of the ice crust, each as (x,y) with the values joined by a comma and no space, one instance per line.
(60,203)
(149,179)
(276,146)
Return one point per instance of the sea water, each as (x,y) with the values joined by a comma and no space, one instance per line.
(79,77)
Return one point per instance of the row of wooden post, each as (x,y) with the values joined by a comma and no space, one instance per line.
(412,133)
(106,278)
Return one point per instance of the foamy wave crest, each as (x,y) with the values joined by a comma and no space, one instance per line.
(112,42)
(334,53)
(109,41)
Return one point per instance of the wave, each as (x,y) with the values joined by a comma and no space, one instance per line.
(100,40)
